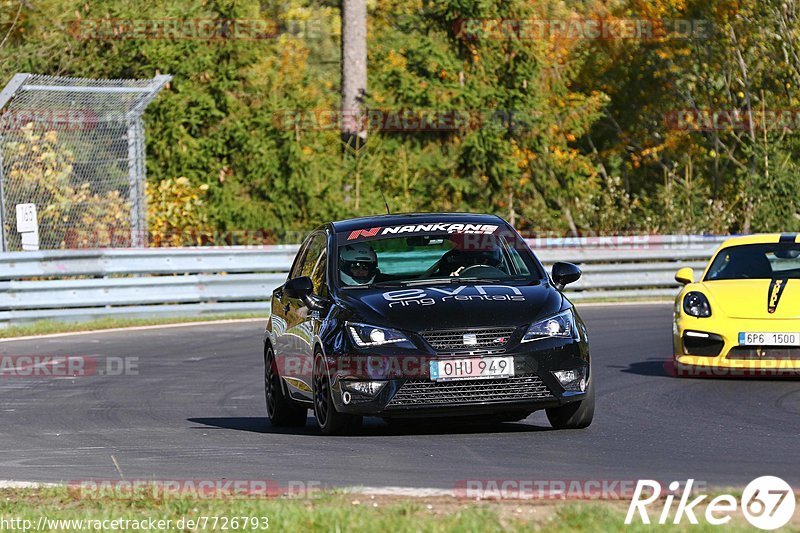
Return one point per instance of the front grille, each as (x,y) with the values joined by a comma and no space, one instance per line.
(749,353)
(420,392)
(705,344)
(459,340)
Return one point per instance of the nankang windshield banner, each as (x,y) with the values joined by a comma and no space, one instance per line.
(433,228)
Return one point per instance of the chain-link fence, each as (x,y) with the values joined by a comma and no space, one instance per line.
(75,148)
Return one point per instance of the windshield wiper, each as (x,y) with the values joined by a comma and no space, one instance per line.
(457,279)
(432,281)
(403,283)
(388,284)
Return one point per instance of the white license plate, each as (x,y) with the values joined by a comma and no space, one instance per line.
(472,368)
(750,338)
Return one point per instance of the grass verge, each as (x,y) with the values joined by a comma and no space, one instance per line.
(326,511)
(46,327)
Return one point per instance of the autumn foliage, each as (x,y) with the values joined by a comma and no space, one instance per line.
(589,135)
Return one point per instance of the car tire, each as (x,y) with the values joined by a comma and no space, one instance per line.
(575,415)
(281,410)
(329,420)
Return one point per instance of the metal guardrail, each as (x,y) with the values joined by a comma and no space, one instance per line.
(76,285)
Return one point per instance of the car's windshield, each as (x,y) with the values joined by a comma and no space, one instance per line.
(448,257)
(756,261)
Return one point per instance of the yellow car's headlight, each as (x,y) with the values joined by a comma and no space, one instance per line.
(696,304)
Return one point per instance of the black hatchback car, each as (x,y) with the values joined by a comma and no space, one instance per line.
(424,315)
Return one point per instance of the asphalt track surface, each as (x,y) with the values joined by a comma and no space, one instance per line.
(196,411)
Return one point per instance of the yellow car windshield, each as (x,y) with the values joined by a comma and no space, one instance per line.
(756,261)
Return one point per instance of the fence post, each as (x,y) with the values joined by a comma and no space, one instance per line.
(3,247)
(136,181)
(137,170)
(5,95)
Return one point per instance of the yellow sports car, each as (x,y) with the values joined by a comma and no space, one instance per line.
(742,317)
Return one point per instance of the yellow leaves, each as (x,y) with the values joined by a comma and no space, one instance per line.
(475,57)
(396,60)
(176,212)
(652,151)
(523,157)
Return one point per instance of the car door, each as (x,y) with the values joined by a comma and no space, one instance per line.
(280,316)
(316,268)
(298,339)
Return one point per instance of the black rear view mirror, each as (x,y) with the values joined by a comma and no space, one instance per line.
(564,273)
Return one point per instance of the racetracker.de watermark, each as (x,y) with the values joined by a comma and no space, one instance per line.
(543,29)
(738,368)
(757,118)
(66,366)
(547,489)
(59,120)
(192,488)
(402,120)
(194,29)
(360,366)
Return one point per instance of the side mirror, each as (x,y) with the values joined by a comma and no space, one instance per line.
(684,276)
(565,273)
(302,288)
(299,287)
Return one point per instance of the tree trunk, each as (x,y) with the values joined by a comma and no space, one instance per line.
(354,72)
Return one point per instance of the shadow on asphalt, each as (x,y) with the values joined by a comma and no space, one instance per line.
(651,367)
(372,427)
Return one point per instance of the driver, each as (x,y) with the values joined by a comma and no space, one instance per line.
(462,260)
(358,264)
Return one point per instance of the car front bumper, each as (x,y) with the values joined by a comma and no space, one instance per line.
(534,386)
(710,346)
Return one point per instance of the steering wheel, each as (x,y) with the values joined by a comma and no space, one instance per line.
(487,270)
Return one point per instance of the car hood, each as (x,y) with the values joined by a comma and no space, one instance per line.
(449,306)
(750,298)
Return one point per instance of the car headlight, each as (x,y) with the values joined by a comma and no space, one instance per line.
(560,325)
(696,304)
(365,335)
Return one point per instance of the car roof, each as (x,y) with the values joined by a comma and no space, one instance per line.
(414,218)
(760,238)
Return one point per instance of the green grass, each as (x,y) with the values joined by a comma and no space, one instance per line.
(336,511)
(45,327)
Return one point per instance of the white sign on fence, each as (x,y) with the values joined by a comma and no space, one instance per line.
(28,226)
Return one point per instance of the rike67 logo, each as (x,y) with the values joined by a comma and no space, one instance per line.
(767,503)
